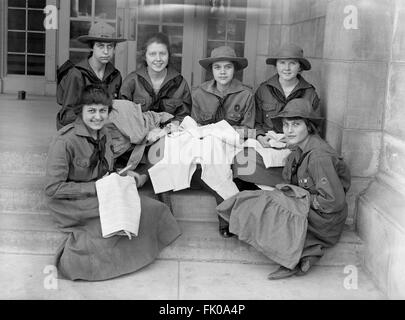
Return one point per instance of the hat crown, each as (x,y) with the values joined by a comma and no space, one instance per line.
(301,108)
(223,51)
(291,51)
(102,30)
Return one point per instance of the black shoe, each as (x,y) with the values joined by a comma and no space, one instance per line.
(225,233)
(282,273)
(306,263)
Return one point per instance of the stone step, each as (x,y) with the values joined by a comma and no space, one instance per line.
(200,241)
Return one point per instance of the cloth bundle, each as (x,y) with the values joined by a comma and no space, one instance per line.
(119,205)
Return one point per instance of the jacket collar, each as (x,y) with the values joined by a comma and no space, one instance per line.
(143,72)
(302,83)
(82,130)
(84,64)
(210,86)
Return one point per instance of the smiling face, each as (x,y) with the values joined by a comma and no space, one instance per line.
(94,116)
(157,56)
(223,72)
(103,52)
(295,131)
(288,69)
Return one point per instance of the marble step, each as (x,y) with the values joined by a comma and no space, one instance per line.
(200,241)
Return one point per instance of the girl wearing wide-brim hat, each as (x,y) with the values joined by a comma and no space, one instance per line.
(271,98)
(224,98)
(95,69)
(297,240)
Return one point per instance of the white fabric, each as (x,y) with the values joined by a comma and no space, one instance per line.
(271,157)
(213,146)
(119,205)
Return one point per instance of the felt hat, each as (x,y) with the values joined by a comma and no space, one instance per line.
(224,53)
(300,108)
(290,51)
(101,32)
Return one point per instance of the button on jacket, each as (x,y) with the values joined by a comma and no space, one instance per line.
(270,100)
(76,80)
(237,103)
(173,97)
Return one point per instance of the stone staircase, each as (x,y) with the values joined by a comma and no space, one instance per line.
(27,229)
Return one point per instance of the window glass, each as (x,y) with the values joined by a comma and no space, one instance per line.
(78,28)
(16,19)
(16,3)
(80,8)
(105,9)
(16,41)
(173,11)
(39,4)
(35,42)
(15,64)
(35,65)
(36,20)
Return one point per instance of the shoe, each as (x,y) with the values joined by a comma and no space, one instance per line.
(306,263)
(225,233)
(281,273)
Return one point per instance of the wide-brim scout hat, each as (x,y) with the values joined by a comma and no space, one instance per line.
(101,32)
(290,51)
(300,108)
(224,53)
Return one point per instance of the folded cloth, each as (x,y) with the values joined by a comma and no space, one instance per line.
(271,157)
(119,205)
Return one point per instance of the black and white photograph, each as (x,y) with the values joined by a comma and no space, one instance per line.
(213,152)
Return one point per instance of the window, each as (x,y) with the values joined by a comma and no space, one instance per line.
(226,27)
(83,13)
(165,16)
(26,37)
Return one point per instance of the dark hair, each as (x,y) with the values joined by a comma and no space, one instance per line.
(94,94)
(159,38)
(311,127)
(92,42)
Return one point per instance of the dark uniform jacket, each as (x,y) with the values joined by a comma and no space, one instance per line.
(74,82)
(321,171)
(270,100)
(236,106)
(173,97)
(71,191)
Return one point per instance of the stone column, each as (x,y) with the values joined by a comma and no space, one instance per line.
(381,209)
(356,53)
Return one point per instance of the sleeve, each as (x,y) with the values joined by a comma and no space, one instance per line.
(315,101)
(185,109)
(250,113)
(73,86)
(57,172)
(330,195)
(127,88)
(259,114)
(196,107)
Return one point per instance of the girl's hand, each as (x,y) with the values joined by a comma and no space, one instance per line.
(264,141)
(140,179)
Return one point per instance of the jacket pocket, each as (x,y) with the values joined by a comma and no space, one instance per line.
(82,162)
(234,117)
(171,105)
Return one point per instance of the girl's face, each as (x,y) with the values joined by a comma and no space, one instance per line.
(288,69)
(157,56)
(295,131)
(103,51)
(94,116)
(223,72)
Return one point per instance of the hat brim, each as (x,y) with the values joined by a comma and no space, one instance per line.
(86,39)
(240,63)
(316,120)
(306,65)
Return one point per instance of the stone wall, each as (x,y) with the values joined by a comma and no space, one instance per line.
(381,209)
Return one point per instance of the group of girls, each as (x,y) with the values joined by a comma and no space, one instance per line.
(81,152)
